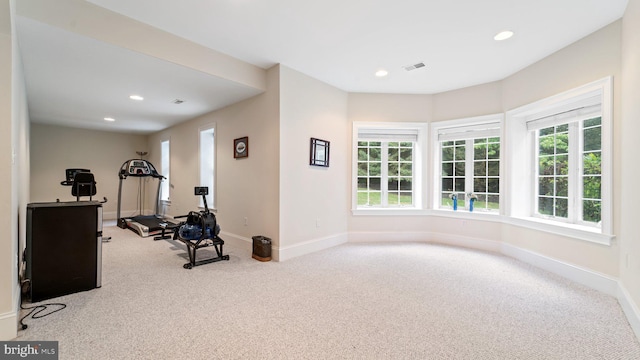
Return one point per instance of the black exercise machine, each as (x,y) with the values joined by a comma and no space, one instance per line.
(143,225)
(82,183)
(200,230)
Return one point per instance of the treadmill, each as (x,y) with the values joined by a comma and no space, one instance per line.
(143,225)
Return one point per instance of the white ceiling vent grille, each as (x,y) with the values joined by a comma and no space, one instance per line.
(414,66)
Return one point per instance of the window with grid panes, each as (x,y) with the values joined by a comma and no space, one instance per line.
(561,163)
(385,173)
(387,165)
(569,171)
(486,173)
(469,162)
(453,172)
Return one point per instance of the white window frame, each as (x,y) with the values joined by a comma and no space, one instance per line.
(574,176)
(464,129)
(521,190)
(165,170)
(386,131)
(203,178)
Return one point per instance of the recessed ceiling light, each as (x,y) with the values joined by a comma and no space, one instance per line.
(382,73)
(503,35)
(136,97)
(109,119)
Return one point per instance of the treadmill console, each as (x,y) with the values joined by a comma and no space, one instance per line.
(139,167)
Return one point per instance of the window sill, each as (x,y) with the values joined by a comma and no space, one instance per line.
(579,232)
(466,214)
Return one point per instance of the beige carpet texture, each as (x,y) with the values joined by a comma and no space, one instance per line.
(354,301)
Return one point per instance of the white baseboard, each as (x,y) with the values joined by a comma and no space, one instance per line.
(310,246)
(389,236)
(630,309)
(289,252)
(109,215)
(465,241)
(592,279)
(236,240)
(424,236)
(580,275)
(8,326)
(9,321)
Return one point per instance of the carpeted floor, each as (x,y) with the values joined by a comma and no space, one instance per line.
(355,301)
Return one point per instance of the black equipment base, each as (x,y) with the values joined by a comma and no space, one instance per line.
(194,245)
(166,226)
(147,225)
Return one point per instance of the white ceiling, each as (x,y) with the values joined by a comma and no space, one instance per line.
(74,80)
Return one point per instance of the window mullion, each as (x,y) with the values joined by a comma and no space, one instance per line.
(384,175)
(579,173)
(468,169)
(536,176)
(574,173)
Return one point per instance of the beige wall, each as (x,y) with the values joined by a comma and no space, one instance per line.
(594,57)
(14,159)
(629,170)
(56,148)
(313,200)
(7,224)
(245,188)
(389,107)
(275,188)
(473,101)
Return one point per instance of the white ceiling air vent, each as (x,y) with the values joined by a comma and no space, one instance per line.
(177,101)
(414,66)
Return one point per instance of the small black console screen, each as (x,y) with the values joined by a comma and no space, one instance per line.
(70,175)
(139,167)
(201,190)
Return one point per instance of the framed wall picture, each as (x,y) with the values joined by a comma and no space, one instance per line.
(241,147)
(319,152)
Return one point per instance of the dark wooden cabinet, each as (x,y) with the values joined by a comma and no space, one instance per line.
(64,248)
